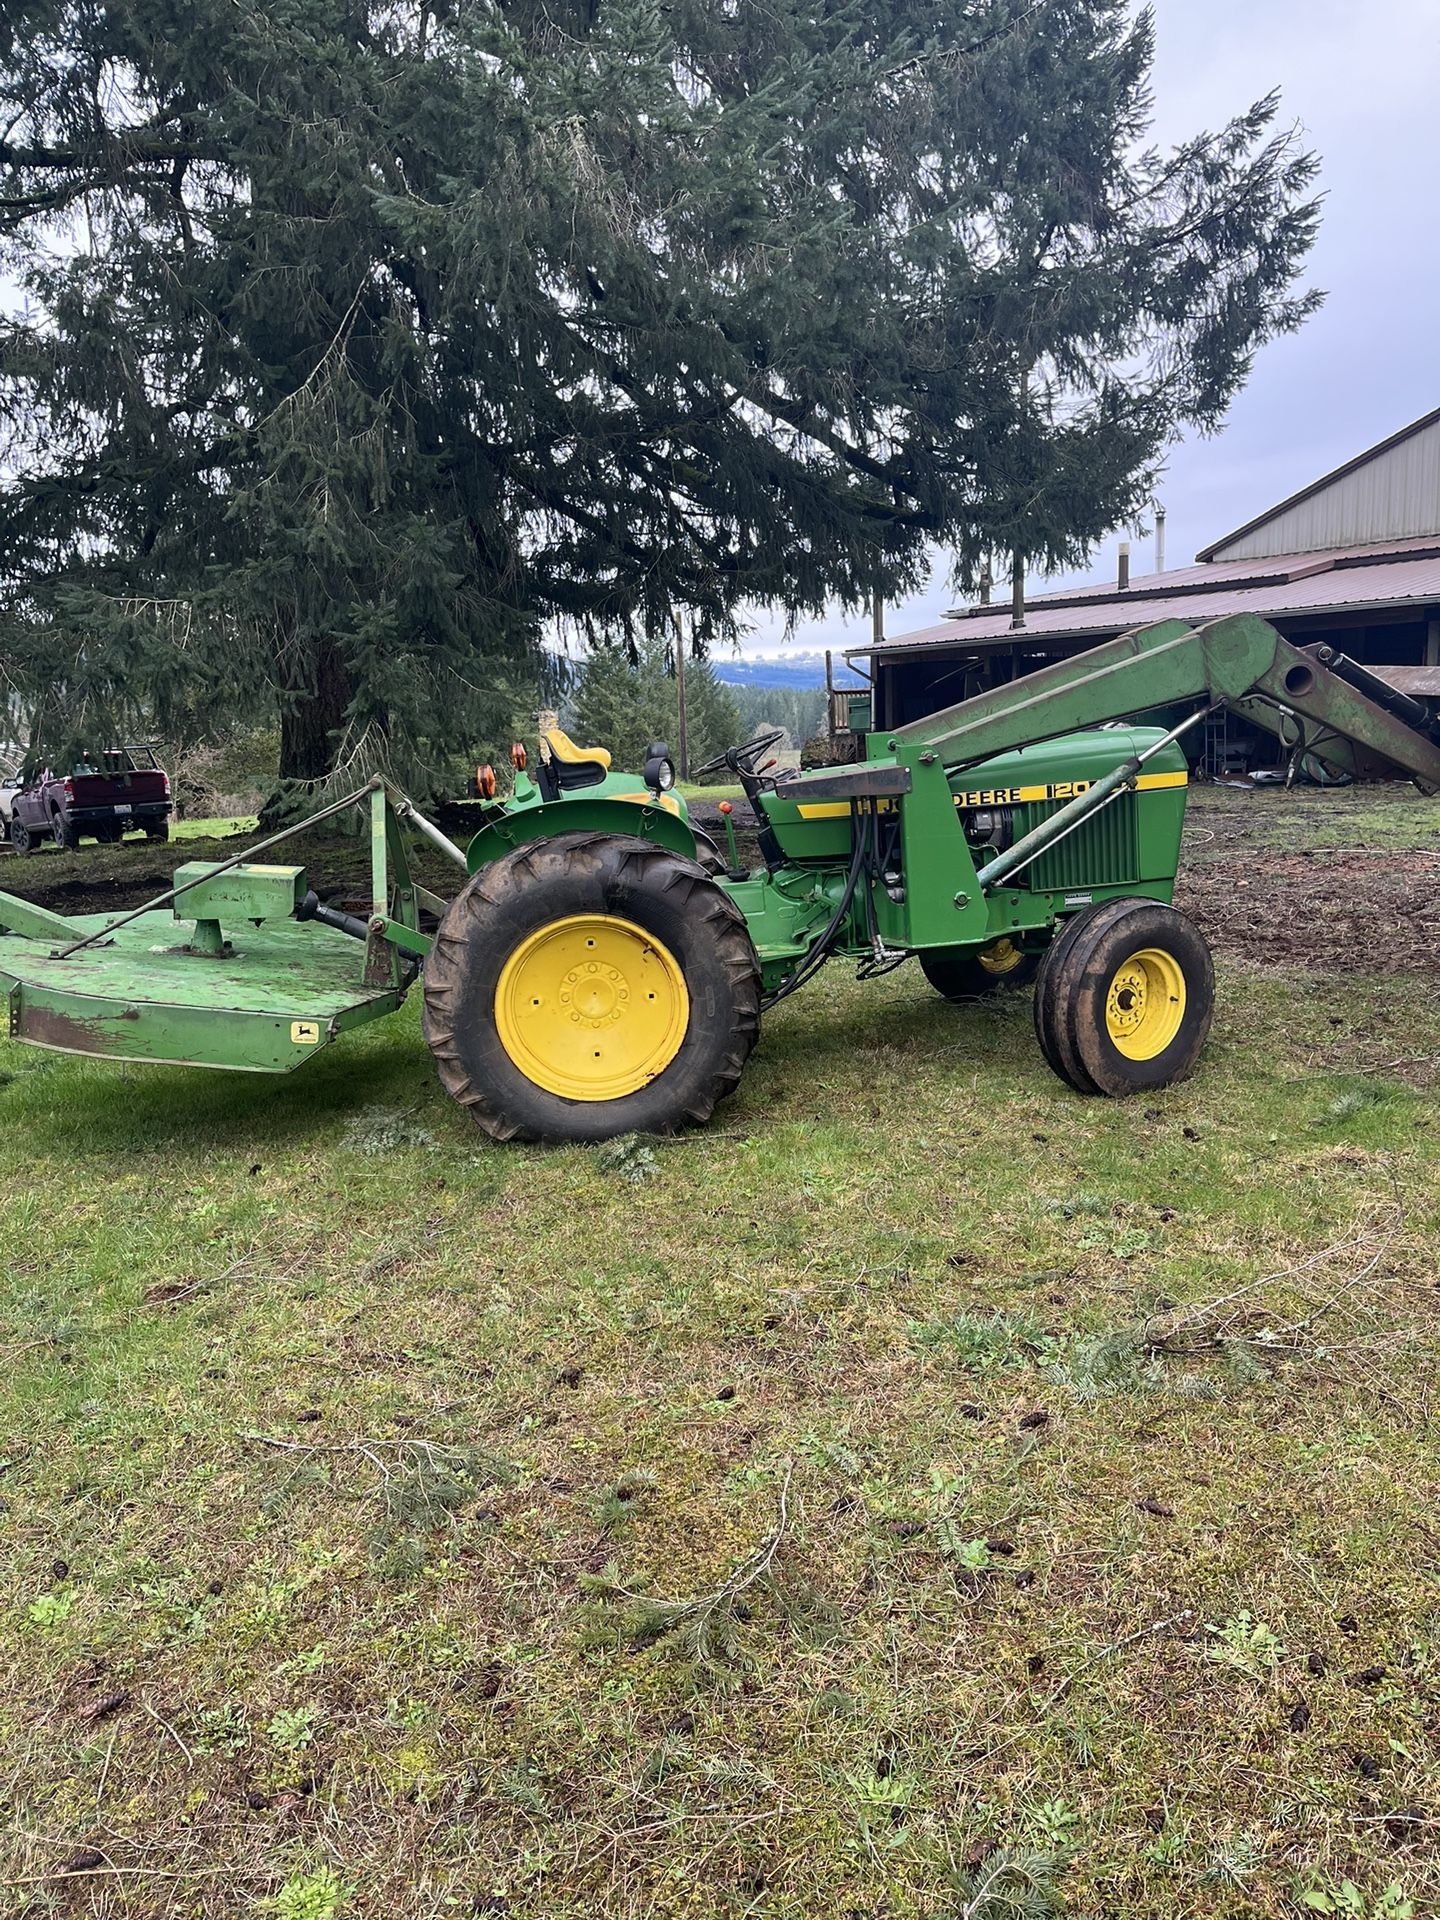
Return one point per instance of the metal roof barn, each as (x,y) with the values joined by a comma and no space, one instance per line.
(1353,559)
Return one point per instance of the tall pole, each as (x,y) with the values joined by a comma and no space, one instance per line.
(683,762)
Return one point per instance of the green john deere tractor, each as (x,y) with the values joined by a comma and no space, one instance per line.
(604,969)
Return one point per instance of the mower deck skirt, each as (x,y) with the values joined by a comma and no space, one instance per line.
(285,991)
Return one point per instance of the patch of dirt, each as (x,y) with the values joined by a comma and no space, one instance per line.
(1336,912)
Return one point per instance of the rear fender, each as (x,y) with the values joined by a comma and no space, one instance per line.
(638,814)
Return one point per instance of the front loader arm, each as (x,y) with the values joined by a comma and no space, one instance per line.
(1240,662)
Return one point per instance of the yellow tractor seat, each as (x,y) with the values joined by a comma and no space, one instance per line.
(574,766)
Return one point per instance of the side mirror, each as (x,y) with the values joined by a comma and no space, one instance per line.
(659,770)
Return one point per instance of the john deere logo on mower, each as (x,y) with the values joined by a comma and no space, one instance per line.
(305,1033)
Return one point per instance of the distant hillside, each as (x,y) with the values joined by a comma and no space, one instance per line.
(800,671)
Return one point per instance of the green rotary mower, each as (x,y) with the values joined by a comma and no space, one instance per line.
(604,968)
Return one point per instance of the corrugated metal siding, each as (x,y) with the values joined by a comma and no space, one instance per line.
(1392,497)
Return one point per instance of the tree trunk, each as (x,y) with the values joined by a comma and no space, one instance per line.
(313,713)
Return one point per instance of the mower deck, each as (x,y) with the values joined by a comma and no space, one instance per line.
(282,992)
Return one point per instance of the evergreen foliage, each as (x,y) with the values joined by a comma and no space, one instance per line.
(362,342)
(800,710)
(624,703)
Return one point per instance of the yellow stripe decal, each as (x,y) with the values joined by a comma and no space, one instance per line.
(1002,796)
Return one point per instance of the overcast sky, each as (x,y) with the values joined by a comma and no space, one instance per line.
(1362,77)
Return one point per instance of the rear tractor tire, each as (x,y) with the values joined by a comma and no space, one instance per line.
(964,973)
(591,985)
(1125,998)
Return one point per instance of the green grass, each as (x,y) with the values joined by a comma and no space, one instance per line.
(391,1524)
(212,829)
(1364,818)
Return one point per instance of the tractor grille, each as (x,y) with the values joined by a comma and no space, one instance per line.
(1101,853)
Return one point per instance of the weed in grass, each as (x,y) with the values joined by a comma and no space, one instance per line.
(979,1342)
(1248,1645)
(1069,1205)
(1324,1895)
(294,1727)
(383,1130)
(1054,1822)
(223,1729)
(1236,1861)
(311,1896)
(51,1609)
(1346,1106)
(972,1554)
(1169,1847)
(881,1799)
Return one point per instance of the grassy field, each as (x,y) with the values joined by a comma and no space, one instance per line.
(924,1493)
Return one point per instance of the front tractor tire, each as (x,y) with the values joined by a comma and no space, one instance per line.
(1125,998)
(591,985)
(965,973)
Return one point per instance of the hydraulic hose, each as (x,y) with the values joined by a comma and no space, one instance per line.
(816,957)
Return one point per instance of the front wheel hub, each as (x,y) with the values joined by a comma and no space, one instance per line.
(1145,1004)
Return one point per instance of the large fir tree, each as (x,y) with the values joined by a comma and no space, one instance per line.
(363,340)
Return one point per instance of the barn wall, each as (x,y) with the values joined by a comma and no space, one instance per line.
(1395,496)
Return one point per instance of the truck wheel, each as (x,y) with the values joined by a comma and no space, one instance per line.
(162,832)
(963,973)
(62,833)
(589,985)
(21,837)
(1125,999)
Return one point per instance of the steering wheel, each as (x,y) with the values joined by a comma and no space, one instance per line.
(742,759)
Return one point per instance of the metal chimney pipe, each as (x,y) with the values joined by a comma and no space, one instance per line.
(1159,538)
(1123,583)
(1017,591)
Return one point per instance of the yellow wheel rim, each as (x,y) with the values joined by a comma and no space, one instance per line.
(1000,957)
(591,1007)
(1145,1003)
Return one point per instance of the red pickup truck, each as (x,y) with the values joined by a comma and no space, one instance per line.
(105,795)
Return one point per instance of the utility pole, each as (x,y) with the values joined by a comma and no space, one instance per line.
(682,763)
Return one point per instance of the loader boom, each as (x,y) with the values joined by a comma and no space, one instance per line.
(1240,661)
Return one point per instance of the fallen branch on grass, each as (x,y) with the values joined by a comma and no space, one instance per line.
(695,1613)
(1211,1325)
